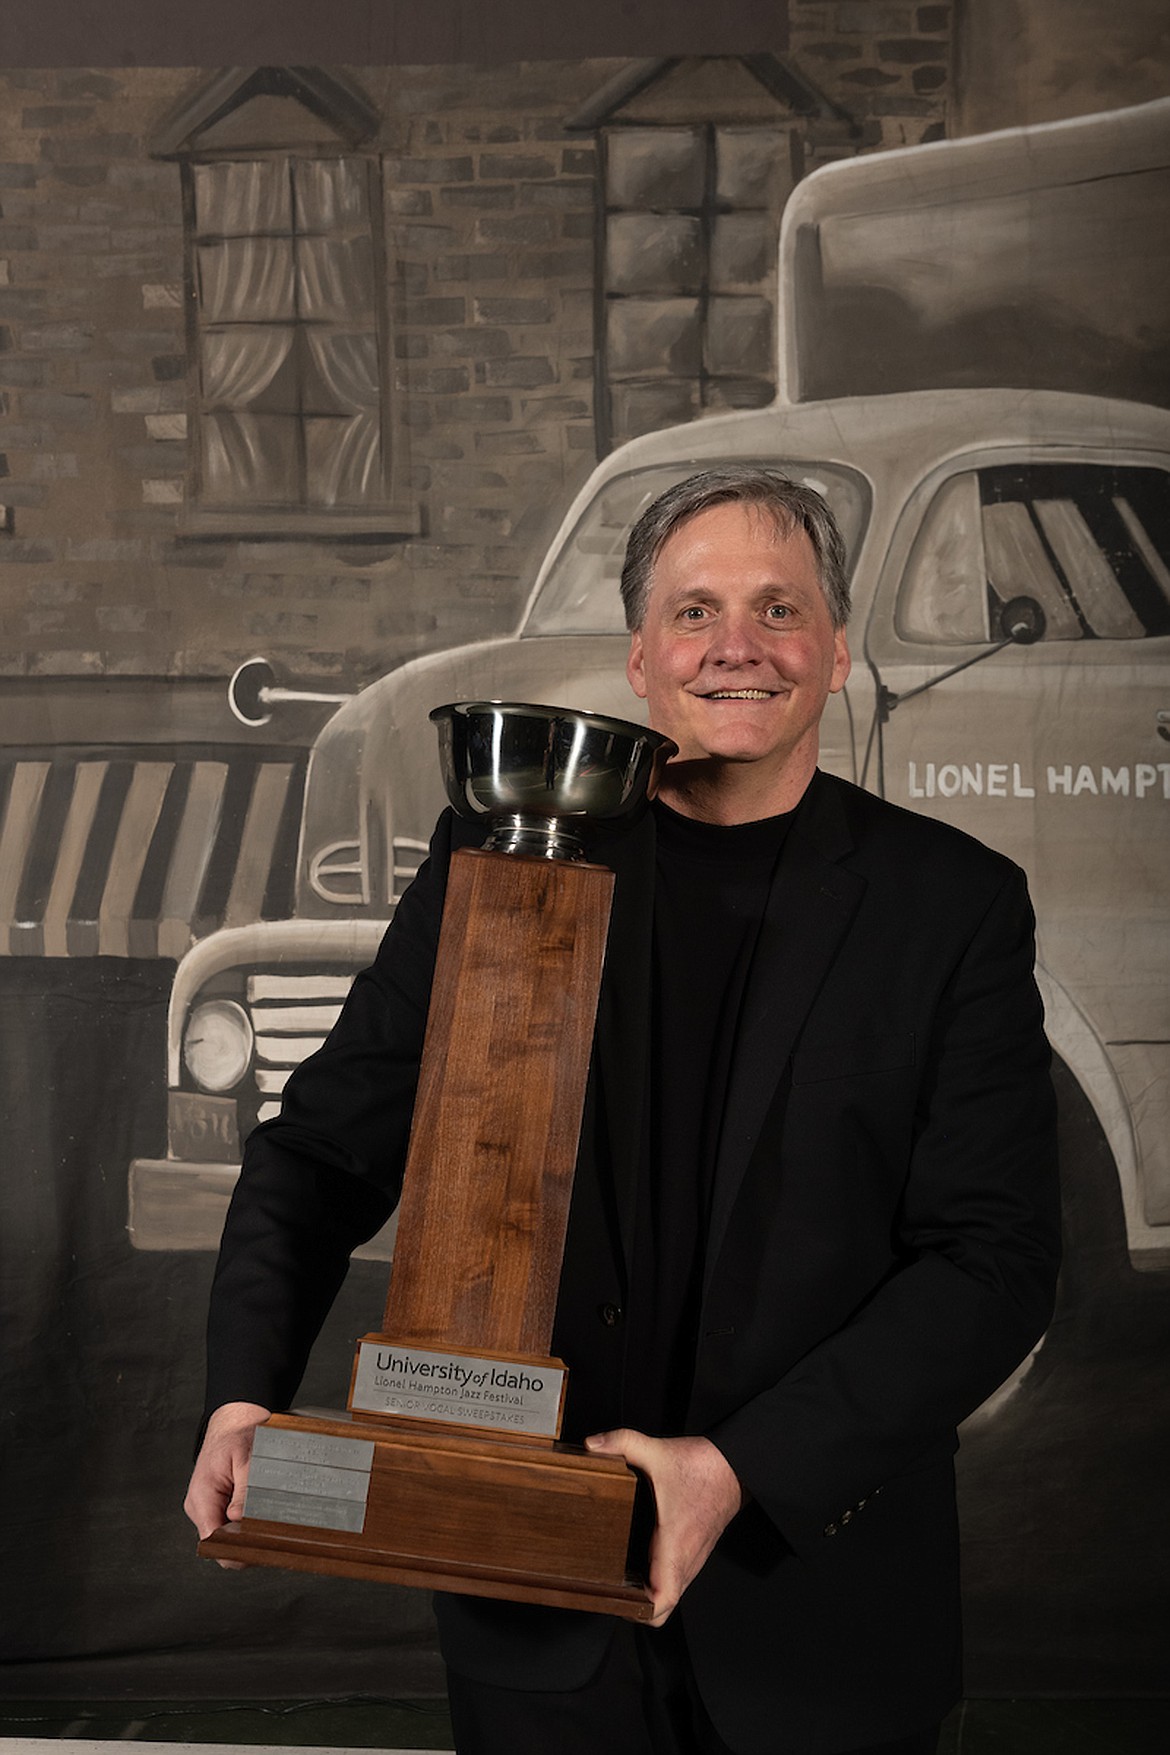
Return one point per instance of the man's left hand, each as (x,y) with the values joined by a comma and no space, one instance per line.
(696,1493)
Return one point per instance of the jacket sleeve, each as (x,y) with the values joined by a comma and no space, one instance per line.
(977,1247)
(325,1174)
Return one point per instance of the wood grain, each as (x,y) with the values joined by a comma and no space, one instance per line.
(489,1172)
(530,1522)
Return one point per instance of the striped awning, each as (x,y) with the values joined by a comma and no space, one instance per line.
(129,854)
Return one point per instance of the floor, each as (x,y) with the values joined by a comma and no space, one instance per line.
(977,1727)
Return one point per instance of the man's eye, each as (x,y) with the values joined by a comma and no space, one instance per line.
(777,612)
(694,612)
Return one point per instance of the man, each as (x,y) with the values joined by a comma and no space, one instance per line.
(815,1217)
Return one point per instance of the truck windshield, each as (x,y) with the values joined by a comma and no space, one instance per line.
(580,592)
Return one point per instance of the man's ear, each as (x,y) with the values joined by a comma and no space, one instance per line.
(842,663)
(635,665)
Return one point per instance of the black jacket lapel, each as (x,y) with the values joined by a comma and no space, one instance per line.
(812,902)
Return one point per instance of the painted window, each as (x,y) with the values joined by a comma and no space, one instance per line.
(290,380)
(692,216)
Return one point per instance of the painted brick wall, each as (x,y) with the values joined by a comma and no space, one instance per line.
(490,217)
(889,64)
(490,224)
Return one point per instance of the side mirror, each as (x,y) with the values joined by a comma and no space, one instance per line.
(1022,621)
(252,693)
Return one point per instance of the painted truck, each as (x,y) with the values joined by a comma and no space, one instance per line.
(1010,559)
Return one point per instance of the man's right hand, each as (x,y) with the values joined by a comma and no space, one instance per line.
(215,1495)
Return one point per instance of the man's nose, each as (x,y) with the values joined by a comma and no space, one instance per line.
(737,639)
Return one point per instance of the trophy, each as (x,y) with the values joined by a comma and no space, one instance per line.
(447,1470)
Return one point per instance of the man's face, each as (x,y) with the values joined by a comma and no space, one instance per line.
(737,653)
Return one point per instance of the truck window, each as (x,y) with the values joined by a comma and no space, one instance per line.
(1090,543)
(580,592)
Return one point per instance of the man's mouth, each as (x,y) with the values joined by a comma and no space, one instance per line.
(739,695)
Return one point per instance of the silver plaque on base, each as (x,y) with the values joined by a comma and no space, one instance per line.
(500,1395)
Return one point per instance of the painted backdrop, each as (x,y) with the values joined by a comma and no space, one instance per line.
(328,392)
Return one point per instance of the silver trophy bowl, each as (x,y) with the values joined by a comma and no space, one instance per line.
(538,773)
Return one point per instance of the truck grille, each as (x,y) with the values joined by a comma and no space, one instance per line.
(291,1017)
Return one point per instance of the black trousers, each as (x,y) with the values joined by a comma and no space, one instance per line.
(642,1701)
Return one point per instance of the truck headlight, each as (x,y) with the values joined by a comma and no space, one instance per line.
(217,1046)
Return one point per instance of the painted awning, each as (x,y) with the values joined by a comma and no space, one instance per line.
(136,854)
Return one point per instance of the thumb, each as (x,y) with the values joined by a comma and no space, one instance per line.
(614,1441)
(623,1441)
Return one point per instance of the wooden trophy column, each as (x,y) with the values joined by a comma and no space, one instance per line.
(489,1175)
(447,1471)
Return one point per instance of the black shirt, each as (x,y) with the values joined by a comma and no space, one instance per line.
(711,888)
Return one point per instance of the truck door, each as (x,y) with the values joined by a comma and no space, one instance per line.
(1055,749)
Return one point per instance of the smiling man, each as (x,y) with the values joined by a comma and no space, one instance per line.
(735,651)
(815,1219)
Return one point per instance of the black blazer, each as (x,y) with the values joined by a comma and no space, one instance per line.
(882,1252)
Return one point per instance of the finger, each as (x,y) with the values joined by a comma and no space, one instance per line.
(215,1494)
(208,1527)
(206,1524)
(607,1440)
(205,1510)
(664,1591)
(633,1447)
(225,1565)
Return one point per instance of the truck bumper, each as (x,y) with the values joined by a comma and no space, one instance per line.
(175,1204)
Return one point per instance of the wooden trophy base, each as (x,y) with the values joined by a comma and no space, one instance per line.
(528,1520)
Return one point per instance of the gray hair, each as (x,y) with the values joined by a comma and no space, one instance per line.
(791,505)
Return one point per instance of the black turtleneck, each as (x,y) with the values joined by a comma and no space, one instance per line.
(711,889)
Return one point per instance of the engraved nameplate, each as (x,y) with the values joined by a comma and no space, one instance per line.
(458,1387)
(313,1447)
(309,1478)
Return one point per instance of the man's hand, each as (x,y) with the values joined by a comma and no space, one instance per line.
(696,1493)
(215,1495)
